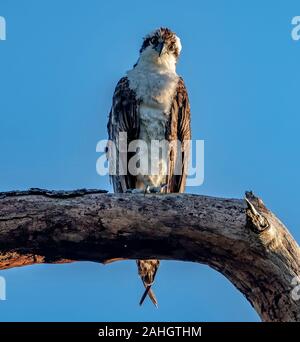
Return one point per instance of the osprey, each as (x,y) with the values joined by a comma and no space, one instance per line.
(151,103)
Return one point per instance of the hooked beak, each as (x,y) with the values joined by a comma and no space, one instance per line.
(160,48)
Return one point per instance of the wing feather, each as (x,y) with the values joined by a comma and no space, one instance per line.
(179,129)
(123,117)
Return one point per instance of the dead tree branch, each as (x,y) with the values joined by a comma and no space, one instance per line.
(242,239)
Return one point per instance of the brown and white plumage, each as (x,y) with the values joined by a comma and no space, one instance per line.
(151,102)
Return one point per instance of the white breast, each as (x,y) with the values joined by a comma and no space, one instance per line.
(155,86)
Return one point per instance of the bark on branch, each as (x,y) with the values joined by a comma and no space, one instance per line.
(242,239)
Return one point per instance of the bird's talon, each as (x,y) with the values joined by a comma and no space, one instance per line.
(134,191)
(155,189)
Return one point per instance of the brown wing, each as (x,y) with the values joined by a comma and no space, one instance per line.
(179,129)
(123,118)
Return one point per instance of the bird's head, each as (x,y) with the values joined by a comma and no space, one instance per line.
(161,45)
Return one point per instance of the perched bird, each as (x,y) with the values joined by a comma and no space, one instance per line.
(151,103)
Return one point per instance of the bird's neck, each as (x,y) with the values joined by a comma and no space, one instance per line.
(165,63)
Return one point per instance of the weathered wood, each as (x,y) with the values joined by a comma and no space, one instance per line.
(241,239)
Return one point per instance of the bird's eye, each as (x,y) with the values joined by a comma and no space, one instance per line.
(153,40)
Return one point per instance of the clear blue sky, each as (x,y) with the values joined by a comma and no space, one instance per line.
(58,69)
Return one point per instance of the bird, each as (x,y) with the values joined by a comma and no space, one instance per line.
(151,103)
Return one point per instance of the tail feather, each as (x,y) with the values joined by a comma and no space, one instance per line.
(147,271)
(151,295)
